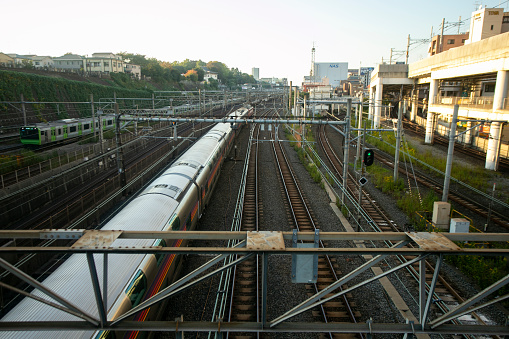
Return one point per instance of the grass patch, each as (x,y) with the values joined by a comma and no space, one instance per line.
(474,176)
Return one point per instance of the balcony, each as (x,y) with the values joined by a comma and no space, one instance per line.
(478,103)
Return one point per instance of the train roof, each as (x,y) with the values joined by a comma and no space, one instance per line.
(74,271)
(65,122)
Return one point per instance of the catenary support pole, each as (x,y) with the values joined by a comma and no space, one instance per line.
(450,150)
(93,115)
(347,149)
(398,141)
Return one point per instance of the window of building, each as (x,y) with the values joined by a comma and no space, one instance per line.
(491,27)
(463,41)
(450,41)
(489,88)
(106,64)
(97,64)
(505,20)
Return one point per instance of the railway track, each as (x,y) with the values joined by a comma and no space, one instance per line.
(462,148)
(472,205)
(336,310)
(444,293)
(245,295)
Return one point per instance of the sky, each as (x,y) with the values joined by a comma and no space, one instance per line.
(275,36)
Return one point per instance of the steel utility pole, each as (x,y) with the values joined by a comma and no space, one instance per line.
(398,141)
(407,49)
(347,148)
(442,36)
(120,152)
(450,150)
(24,110)
(93,115)
(290,98)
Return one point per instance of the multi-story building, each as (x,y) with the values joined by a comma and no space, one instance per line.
(104,63)
(69,63)
(134,70)
(255,72)
(446,42)
(43,62)
(6,61)
(209,74)
(487,22)
(333,71)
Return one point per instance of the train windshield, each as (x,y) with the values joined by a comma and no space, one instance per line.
(29,133)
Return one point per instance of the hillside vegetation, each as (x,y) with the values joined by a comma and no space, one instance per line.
(41,86)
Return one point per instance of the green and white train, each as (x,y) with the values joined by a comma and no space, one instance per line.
(46,133)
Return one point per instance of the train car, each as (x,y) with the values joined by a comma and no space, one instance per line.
(46,133)
(173,201)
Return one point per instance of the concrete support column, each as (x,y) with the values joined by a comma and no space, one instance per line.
(433,91)
(468,134)
(493,146)
(371,105)
(428,139)
(501,88)
(415,105)
(378,105)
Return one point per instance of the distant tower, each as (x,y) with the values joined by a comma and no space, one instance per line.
(312,72)
(255,72)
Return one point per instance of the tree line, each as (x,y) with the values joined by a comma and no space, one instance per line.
(165,73)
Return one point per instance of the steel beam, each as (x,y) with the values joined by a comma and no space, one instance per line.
(464,307)
(293,327)
(37,285)
(169,291)
(367,281)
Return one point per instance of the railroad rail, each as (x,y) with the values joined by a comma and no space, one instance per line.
(438,139)
(472,205)
(336,310)
(444,294)
(245,293)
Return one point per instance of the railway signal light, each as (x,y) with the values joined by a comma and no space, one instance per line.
(369,157)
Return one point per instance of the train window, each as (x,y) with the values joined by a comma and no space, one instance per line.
(29,133)
(86,126)
(160,256)
(59,131)
(175,223)
(110,122)
(161,186)
(72,129)
(137,288)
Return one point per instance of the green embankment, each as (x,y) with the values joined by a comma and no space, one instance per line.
(53,89)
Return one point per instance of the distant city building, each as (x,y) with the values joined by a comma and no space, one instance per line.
(6,61)
(366,76)
(275,81)
(134,70)
(487,22)
(19,60)
(448,42)
(69,63)
(42,62)
(209,74)
(255,72)
(333,71)
(104,63)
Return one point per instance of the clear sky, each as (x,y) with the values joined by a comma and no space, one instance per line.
(274,35)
